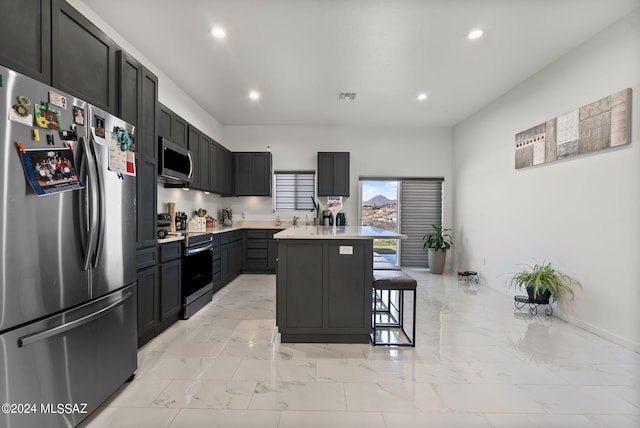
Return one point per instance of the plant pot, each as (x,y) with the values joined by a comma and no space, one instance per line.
(436,260)
(542,299)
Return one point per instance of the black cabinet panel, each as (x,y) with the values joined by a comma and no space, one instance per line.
(323,293)
(172,127)
(194,148)
(138,99)
(146,202)
(148,125)
(252,173)
(203,161)
(341,174)
(25,37)
(148,299)
(300,287)
(225,168)
(83,58)
(333,173)
(242,173)
(231,255)
(129,76)
(261,251)
(170,281)
(214,150)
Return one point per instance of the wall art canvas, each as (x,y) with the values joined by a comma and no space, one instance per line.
(597,126)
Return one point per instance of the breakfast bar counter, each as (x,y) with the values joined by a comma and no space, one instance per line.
(324,283)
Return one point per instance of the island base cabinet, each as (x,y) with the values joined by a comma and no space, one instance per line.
(323,292)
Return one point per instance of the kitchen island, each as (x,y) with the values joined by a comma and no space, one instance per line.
(324,283)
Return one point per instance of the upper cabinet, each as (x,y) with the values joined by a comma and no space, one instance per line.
(172,127)
(25,37)
(225,171)
(333,173)
(138,105)
(83,58)
(252,173)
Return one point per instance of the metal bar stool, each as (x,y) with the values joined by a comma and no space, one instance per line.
(388,312)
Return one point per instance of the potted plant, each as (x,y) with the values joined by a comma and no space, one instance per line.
(542,282)
(437,243)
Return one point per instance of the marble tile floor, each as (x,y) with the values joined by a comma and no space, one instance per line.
(478,362)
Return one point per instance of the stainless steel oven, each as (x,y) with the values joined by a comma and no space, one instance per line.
(197,272)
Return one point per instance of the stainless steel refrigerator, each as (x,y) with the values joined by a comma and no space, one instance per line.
(67,255)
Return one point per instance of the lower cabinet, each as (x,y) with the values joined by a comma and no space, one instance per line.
(231,255)
(148,303)
(217,265)
(170,284)
(262,251)
(159,284)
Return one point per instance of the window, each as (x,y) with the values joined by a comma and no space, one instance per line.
(406,205)
(294,190)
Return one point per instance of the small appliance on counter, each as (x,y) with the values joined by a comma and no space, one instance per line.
(341,219)
(327,218)
(164,223)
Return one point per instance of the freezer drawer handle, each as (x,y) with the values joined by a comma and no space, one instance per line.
(27,340)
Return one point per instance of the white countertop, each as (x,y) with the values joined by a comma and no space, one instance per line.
(237,225)
(341,232)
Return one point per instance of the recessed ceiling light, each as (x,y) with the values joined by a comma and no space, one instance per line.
(254,95)
(421,96)
(218,32)
(475,34)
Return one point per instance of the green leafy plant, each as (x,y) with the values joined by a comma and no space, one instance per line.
(440,239)
(316,206)
(540,278)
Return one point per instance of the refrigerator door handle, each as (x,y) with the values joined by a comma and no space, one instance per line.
(99,193)
(35,337)
(91,209)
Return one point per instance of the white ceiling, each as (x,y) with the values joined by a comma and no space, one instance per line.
(301,53)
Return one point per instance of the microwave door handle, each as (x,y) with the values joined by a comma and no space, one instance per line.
(190,165)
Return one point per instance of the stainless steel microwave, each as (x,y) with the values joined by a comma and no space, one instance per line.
(175,164)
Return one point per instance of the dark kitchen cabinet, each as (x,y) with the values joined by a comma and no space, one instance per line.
(170,284)
(148,304)
(231,255)
(333,173)
(195,137)
(172,127)
(83,58)
(272,252)
(261,251)
(138,105)
(212,170)
(25,37)
(217,265)
(322,294)
(252,173)
(203,161)
(225,171)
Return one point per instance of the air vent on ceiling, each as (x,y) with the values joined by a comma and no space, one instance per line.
(347,96)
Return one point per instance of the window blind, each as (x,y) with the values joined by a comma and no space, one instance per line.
(420,207)
(294,190)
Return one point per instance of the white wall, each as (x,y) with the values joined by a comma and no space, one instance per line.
(380,151)
(581,214)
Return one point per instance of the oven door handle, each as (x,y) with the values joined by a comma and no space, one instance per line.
(196,250)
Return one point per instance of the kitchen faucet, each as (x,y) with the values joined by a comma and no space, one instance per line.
(295,220)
